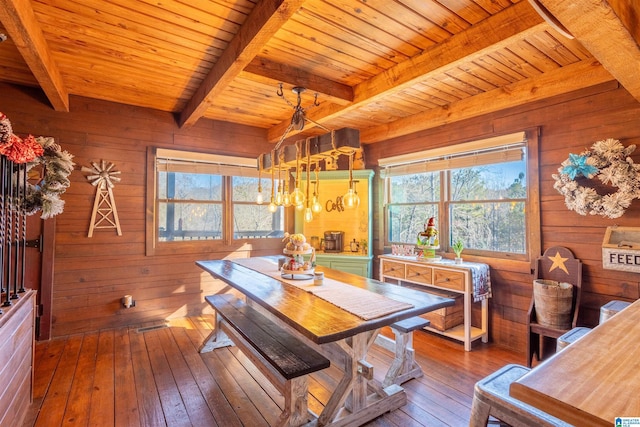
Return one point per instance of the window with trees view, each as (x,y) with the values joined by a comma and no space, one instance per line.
(480,199)
(208,198)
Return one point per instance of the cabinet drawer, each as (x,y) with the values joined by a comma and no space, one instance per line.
(392,269)
(418,273)
(448,279)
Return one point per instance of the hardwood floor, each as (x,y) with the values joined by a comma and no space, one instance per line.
(156,377)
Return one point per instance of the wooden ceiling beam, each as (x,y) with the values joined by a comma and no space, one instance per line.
(330,90)
(597,26)
(262,23)
(495,32)
(573,77)
(19,20)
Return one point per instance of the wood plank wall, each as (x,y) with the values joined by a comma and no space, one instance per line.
(92,274)
(568,124)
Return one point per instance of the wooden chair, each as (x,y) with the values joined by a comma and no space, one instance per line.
(557,263)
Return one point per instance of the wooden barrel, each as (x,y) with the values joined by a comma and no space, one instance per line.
(553,302)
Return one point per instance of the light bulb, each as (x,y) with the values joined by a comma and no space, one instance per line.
(278,199)
(316,207)
(300,207)
(272,207)
(260,198)
(297,197)
(286,199)
(351,199)
(308,215)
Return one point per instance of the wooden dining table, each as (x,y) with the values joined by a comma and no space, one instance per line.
(594,380)
(339,334)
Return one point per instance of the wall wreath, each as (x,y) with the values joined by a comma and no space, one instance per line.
(609,161)
(22,157)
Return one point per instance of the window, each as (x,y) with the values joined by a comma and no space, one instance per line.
(205,202)
(478,192)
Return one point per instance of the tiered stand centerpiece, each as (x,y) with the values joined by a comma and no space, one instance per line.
(295,266)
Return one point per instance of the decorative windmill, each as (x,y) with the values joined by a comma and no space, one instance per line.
(104,213)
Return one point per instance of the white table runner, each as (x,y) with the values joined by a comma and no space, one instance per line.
(361,302)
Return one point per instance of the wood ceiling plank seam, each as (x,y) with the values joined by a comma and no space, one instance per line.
(403,23)
(358,27)
(124,21)
(437,93)
(452,79)
(486,79)
(22,26)
(221,18)
(515,62)
(426,95)
(560,81)
(492,74)
(495,6)
(243,7)
(182,17)
(439,15)
(553,48)
(499,68)
(314,35)
(414,99)
(533,56)
(573,45)
(264,21)
(495,32)
(90,65)
(465,74)
(111,50)
(109,24)
(467,10)
(349,37)
(333,57)
(424,23)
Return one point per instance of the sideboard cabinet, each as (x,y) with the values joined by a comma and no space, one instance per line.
(456,278)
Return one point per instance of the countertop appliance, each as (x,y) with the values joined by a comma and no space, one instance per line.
(333,241)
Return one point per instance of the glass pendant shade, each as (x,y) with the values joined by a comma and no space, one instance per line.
(351,199)
(297,197)
(260,196)
(308,215)
(272,206)
(316,206)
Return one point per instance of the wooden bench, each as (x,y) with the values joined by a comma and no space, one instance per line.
(404,366)
(491,398)
(283,358)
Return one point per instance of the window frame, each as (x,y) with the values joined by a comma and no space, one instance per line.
(532,203)
(228,242)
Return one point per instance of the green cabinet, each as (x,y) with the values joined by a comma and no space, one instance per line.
(355,264)
(356,223)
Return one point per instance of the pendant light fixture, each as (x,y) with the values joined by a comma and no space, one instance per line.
(260,196)
(316,206)
(298,197)
(308,212)
(351,200)
(272,205)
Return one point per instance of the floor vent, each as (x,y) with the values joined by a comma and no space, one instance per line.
(151,328)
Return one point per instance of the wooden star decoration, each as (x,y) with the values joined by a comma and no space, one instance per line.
(558,262)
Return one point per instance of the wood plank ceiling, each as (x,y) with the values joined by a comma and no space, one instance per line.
(386,67)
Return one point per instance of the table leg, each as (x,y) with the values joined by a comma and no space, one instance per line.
(216,339)
(351,403)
